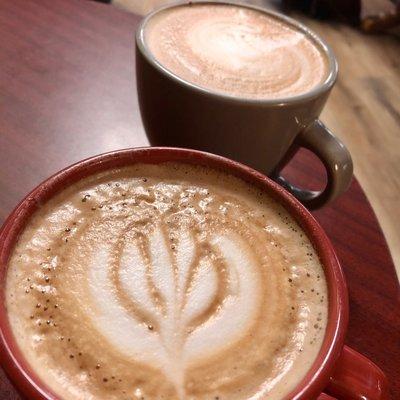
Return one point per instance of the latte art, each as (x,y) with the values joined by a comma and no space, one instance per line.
(235,50)
(166,281)
(191,307)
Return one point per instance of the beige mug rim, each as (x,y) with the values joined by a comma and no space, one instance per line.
(315,92)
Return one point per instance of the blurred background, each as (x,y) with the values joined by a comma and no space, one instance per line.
(364,107)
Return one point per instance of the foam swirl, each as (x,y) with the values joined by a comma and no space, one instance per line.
(177,301)
(166,281)
(235,50)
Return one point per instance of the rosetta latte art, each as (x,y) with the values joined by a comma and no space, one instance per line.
(166,282)
(179,315)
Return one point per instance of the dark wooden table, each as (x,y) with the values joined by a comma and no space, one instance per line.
(67,91)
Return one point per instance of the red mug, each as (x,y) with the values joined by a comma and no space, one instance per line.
(337,373)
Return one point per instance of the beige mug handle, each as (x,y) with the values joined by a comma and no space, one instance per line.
(336,159)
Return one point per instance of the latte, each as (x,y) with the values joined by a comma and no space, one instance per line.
(236,50)
(166,281)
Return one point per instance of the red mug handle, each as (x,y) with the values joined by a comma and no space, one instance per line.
(356,378)
(324,396)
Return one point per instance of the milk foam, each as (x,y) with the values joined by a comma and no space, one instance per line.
(188,289)
(236,50)
(166,281)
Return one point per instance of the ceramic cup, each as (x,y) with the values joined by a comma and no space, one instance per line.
(264,134)
(338,371)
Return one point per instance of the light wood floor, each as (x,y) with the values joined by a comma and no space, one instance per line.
(363,110)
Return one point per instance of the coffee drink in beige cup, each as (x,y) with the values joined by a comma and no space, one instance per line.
(242,82)
(167,281)
(236,51)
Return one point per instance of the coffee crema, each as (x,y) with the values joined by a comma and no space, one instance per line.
(236,51)
(166,281)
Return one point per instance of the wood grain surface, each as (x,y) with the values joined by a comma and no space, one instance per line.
(364,111)
(67,91)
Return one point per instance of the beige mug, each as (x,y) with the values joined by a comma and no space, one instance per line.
(262,133)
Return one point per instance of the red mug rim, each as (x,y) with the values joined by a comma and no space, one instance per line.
(317,377)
